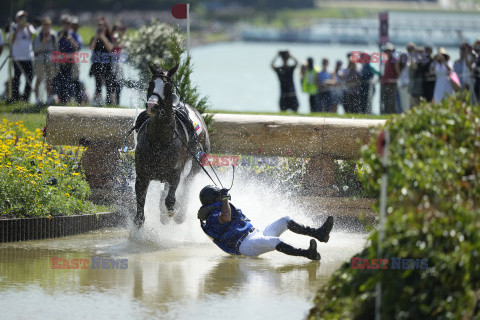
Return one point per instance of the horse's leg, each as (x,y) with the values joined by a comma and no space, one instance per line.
(183,196)
(170,199)
(186,180)
(164,219)
(141,186)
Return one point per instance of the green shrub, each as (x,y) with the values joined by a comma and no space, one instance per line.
(347,183)
(432,213)
(187,91)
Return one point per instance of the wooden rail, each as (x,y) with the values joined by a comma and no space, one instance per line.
(232,133)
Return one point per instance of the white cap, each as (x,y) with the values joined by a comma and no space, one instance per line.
(20,13)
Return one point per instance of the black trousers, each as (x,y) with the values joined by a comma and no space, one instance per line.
(103,73)
(313,103)
(27,67)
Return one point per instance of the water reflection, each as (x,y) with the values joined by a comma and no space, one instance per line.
(180,282)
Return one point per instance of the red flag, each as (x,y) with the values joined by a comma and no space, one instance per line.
(179,11)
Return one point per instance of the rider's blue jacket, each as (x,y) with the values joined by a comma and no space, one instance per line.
(227,236)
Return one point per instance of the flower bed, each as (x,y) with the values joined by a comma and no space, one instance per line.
(37,179)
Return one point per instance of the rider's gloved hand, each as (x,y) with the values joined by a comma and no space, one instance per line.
(224,194)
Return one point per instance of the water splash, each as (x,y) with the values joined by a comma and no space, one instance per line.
(261,201)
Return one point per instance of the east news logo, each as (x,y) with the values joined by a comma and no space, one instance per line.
(396,263)
(93,262)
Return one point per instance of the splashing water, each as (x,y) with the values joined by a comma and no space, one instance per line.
(260,201)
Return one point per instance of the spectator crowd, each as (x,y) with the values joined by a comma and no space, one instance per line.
(406,78)
(35,49)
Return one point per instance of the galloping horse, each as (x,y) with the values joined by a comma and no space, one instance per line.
(168,132)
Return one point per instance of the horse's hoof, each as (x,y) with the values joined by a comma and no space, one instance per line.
(179,218)
(164,219)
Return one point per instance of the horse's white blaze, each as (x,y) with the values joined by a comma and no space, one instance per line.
(158,89)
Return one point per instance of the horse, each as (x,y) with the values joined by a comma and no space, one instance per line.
(165,143)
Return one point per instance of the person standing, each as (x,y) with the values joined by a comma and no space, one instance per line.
(43,45)
(442,68)
(463,66)
(388,92)
(288,96)
(1,41)
(403,69)
(427,75)
(415,86)
(78,87)
(325,81)
(68,43)
(309,84)
(22,55)
(338,88)
(101,69)
(351,79)
(476,71)
(367,89)
(117,58)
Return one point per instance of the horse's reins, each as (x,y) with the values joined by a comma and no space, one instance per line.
(196,140)
(200,164)
(183,142)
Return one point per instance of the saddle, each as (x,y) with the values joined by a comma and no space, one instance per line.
(181,116)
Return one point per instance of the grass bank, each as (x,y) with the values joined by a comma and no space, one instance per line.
(35,117)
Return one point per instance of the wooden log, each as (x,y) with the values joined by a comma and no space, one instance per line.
(290,135)
(232,133)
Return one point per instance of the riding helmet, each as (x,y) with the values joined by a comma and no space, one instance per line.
(209,195)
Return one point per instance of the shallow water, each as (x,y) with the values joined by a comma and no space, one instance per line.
(174,271)
(168,282)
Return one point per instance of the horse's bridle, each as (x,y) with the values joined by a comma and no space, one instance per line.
(153,93)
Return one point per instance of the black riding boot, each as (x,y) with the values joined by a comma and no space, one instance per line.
(311,253)
(322,234)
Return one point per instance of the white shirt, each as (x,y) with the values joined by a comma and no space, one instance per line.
(22,48)
(404,78)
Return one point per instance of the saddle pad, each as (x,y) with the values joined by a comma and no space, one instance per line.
(196,119)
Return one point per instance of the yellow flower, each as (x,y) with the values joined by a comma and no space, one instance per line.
(75,174)
(67,194)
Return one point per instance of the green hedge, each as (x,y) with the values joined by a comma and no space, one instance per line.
(432,213)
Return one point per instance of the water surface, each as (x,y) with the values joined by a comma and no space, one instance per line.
(174,271)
